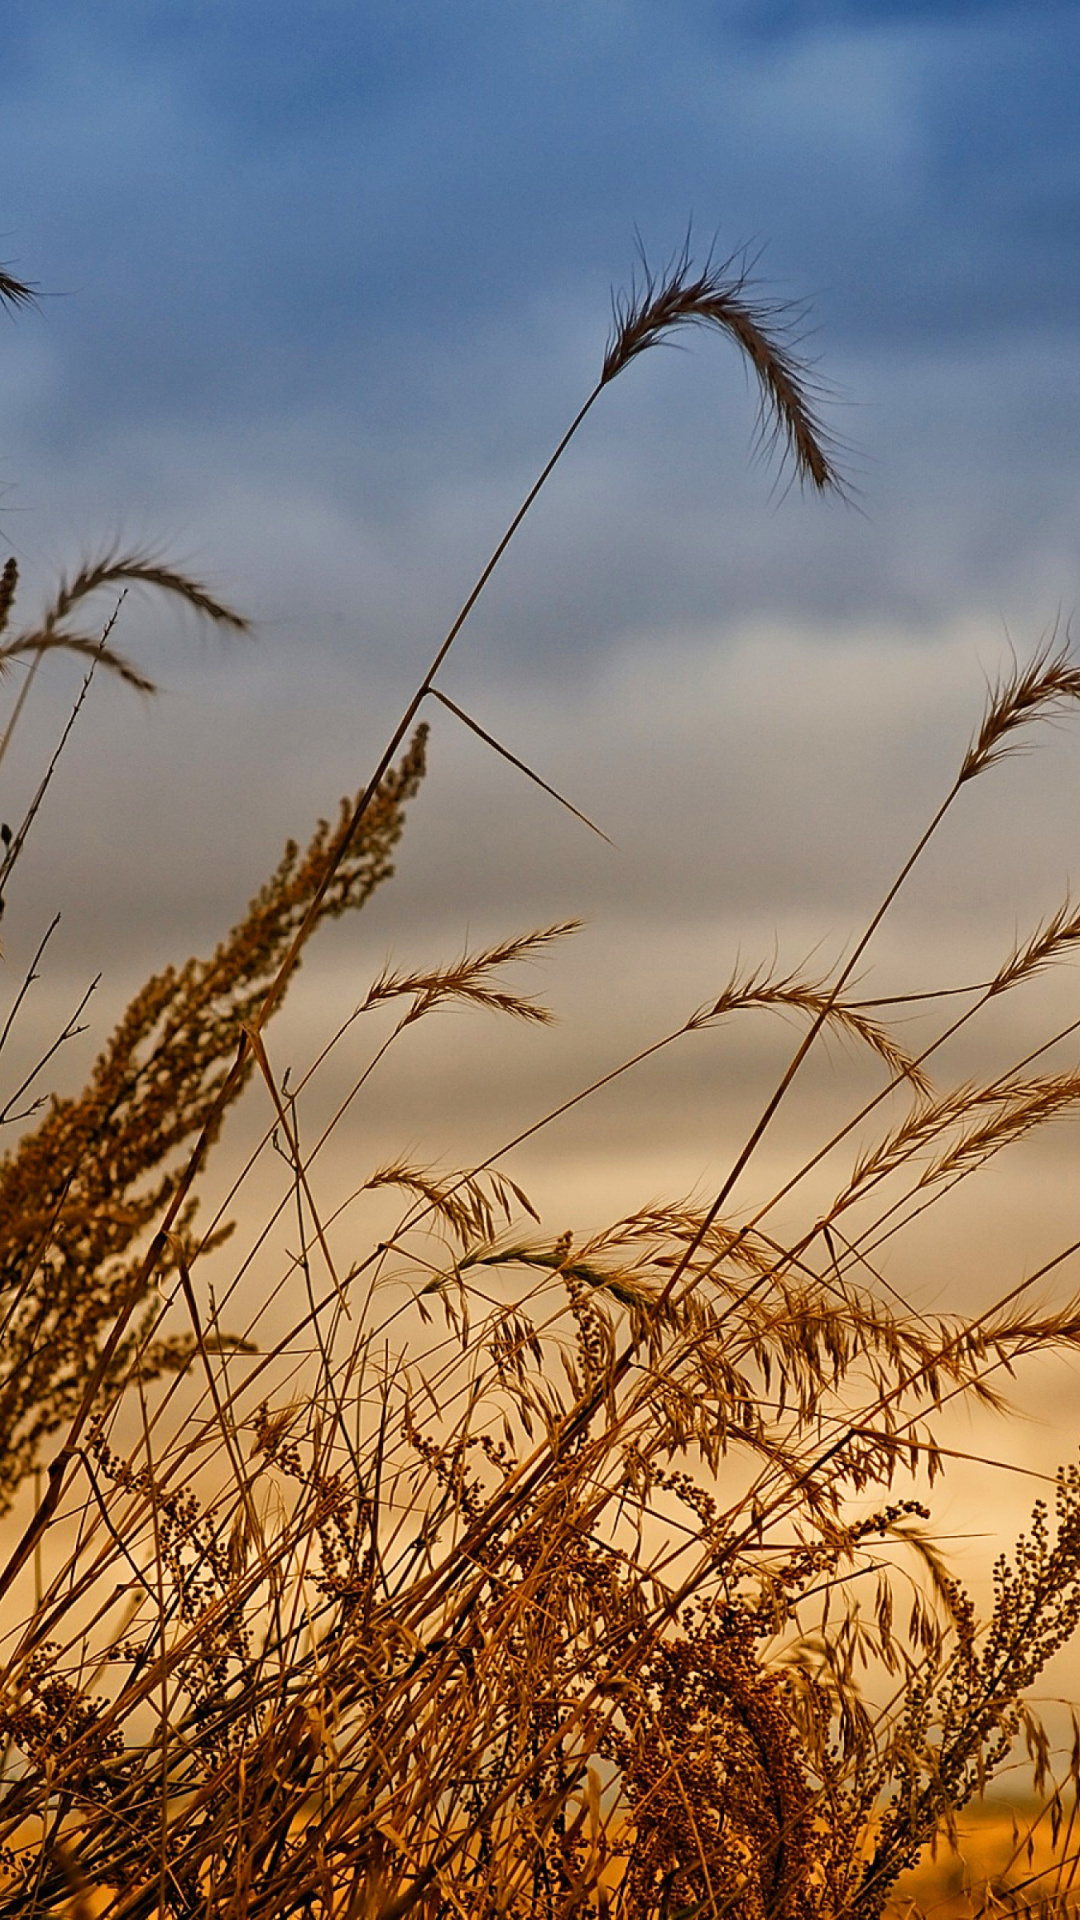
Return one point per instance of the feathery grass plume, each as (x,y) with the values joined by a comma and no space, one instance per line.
(472,1206)
(818,999)
(112,569)
(80,1191)
(569,1268)
(1048,685)
(469,979)
(984,1118)
(678,1223)
(720,295)
(1049,942)
(1025,1104)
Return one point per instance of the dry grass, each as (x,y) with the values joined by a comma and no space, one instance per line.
(55,634)
(455,1567)
(722,296)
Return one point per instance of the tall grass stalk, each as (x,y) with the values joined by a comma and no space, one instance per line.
(517,1573)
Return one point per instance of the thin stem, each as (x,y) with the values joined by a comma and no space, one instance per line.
(20,703)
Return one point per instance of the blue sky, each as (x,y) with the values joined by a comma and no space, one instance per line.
(320,288)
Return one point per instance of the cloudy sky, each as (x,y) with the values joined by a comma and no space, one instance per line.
(320,289)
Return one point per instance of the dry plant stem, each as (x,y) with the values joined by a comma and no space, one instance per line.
(302,1190)
(69,1032)
(159,1568)
(255,1041)
(224,1425)
(412,710)
(771,1108)
(713,298)
(28,980)
(19,839)
(490,741)
(17,710)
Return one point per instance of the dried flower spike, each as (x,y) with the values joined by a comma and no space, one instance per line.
(1048,684)
(657,306)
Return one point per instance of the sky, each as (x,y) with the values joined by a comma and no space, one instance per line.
(319,290)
